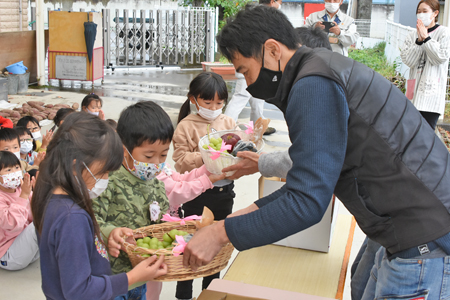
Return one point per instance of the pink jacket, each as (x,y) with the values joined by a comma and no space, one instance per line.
(181,188)
(15,215)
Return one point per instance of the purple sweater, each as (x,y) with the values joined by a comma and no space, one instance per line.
(74,264)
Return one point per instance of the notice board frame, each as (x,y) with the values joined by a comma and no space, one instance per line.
(94,69)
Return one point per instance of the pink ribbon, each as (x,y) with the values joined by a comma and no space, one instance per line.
(169,218)
(216,153)
(249,129)
(177,250)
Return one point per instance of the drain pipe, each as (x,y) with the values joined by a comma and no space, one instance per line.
(40,42)
(20,15)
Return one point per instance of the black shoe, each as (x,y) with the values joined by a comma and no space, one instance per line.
(269,131)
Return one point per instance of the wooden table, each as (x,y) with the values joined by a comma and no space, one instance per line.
(298,270)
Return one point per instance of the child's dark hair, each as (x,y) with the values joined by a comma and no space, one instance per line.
(80,141)
(22,131)
(204,85)
(60,115)
(9,134)
(8,160)
(144,121)
(25,120)
(89,98)
(112,123)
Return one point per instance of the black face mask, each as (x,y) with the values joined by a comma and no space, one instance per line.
(266,85)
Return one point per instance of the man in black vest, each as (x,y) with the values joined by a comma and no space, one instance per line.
(353,133)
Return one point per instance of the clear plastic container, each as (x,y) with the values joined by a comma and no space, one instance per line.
(225,159)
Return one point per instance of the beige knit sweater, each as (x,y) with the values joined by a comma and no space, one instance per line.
(187,135)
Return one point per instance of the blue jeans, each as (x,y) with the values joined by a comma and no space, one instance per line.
(404,279)
(134,294)
(363,264)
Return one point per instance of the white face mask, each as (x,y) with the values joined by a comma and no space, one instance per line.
(25,147)
(99,187)
(279,5)
(36,135)
(17,154)
(92,112)
(11,180)
(208,114)
(332,7)
(426,18)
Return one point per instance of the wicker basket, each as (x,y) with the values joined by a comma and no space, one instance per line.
(176,270)
(225,159)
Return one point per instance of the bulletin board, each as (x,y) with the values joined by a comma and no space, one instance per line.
(67,58)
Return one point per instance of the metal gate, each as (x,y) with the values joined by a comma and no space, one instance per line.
(159,37)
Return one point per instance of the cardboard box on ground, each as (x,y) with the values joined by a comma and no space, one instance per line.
(317,237)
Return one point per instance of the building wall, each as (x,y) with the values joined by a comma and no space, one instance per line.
(380,14)
(10,15)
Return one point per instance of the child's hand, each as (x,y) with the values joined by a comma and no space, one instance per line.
(33,180)
(148,269)
(215,178)
(25,184)
(46,139)
(116,238)
(39,158)
(101,114)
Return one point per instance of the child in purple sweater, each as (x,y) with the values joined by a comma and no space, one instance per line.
(74,260)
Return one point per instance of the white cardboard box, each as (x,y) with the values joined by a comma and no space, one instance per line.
(317,237)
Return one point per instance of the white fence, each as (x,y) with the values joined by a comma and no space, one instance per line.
(395,38)
(159,36)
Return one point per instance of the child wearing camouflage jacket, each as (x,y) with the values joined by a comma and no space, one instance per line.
(144,188)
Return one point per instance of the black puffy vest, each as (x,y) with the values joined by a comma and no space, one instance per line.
(396,175)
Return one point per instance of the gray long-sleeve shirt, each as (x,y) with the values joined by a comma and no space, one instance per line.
(275,164)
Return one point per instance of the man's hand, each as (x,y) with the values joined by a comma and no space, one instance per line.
(204,245)
(320,25)
(335,29)
(422,31)
(247,166)
(244,211)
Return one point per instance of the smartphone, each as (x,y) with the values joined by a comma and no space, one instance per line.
(328,25)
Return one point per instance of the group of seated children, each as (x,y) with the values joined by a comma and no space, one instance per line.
(95,186)
(21,153)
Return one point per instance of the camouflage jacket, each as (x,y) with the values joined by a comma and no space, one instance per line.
(126,203)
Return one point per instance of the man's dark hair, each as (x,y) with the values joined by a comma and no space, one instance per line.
(313,37)
(264,2)
(9,134)
(252,27)
(144,121)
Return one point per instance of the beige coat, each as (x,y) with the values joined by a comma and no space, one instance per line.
(187,135)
